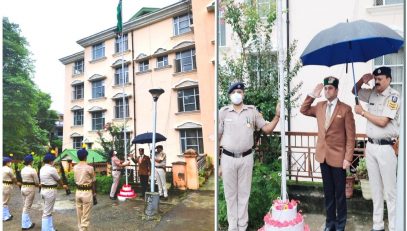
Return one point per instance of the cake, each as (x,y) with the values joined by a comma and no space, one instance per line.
(126,192)
(284,217)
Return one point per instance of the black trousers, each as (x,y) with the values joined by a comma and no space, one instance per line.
(334,181)
(144,184)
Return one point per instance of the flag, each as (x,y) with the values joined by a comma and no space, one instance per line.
(119,27)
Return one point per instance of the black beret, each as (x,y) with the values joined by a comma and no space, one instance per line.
(238,85)
(382,71)
(330,80)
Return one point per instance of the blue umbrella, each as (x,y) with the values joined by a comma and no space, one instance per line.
(358,41)
(146,138)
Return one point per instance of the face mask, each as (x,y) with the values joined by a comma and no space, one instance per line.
(236,98)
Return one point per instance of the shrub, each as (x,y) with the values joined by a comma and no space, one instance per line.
(361,169)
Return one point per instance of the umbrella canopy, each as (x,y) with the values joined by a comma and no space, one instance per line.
(146,138)
(70,154)
(358,41)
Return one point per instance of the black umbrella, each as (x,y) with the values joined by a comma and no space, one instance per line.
(146,138)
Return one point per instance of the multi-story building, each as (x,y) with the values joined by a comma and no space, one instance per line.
(170,48)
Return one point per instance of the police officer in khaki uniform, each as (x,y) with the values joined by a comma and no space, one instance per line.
(49,183)
(84,178)
(382,128)
(160,163)
(117,166)
(8,180)
(237,122)
(29,182)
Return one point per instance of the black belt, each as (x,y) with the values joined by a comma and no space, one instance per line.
(54,186)
(237,155)
(380,141)
(116,169)
(28,183)
(7,182)
(160,167)
(84,187)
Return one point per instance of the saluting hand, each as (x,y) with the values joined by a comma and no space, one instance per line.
(367,77)
(317,90)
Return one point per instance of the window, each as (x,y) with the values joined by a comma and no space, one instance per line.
(77,91)
(120,137)
(263,8)
(143,66)
(77,142)
(119,109)
(98,120)
(118,76)
(396,62)
(78,117)
(121,44)
(98,51)
(98,89)
(182,23)
(191,138)
(188,100)
(162,61)
(185,61)
(222,29)
(387,2)
(78,67)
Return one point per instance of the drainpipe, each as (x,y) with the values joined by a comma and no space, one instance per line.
(288,87)
(134,90)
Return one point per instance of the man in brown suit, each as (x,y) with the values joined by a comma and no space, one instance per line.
(144,166)
(335,146)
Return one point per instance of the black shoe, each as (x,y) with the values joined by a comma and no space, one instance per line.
(32,226)
(377,230)
(113,198)
(10,218)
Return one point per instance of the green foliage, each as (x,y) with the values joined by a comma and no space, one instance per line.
(361,169)
(114,142)
(103,183)
(266,183)
(26,114)
(257,64)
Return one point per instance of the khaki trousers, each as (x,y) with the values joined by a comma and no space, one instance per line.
(161,181)
(237,182)
(116,180)
(6,194)
(381,165)
(28,194)
(49,196)
(84,202)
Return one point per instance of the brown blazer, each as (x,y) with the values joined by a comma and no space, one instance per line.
(144,165)
(337,142)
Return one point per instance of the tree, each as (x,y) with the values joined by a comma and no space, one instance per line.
(23,102)
(116,141)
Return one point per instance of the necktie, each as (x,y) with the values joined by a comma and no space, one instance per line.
(328,115)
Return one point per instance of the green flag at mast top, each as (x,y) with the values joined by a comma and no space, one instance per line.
(119,26)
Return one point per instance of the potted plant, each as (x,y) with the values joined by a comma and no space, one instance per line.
(350,181)
(361,172)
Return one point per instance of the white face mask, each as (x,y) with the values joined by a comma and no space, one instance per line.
(236,98)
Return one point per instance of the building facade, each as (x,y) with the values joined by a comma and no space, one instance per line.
(169,48)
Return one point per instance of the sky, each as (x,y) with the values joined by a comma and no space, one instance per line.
(52,28)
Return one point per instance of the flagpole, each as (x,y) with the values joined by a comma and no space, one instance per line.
(282,98)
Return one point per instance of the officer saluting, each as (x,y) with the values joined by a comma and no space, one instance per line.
(236,125)
(49,183)
(382,128)
(8,180)
(29,181)
(84,179)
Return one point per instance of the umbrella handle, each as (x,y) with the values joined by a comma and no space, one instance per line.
(357,100)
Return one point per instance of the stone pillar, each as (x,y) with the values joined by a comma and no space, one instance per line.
(179,175)
(192,175)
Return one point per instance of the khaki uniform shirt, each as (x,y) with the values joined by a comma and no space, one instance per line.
(160,159)
(84,174)
(236,128)
(385,104)
(8,174)
(116,163)
(49,175)
(29,175)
